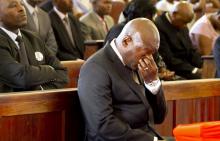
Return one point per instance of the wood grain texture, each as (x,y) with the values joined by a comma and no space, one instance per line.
(52,115)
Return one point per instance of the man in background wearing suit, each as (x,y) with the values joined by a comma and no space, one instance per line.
(67,31)
(119,89)
(99,19)
(25,62)
(175,44)
(39,21)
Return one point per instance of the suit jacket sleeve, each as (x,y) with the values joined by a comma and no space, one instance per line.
(61,77)
(95,96)
(157,103)
(22,76)
(51,41)
(170,58)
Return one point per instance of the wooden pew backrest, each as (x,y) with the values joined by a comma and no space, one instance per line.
(190,101)
(73,69)
(92,46)
(209,67)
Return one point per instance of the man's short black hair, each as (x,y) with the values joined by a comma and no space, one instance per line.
(139,8)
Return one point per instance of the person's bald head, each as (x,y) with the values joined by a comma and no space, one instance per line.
(181,14)
(139,38)
(12,14)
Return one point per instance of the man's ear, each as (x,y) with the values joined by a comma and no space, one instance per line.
(126,40)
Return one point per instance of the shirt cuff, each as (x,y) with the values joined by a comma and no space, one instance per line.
(155,139)
(153,86)
(194,70)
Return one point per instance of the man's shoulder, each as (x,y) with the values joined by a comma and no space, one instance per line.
(88,17)
(161,21)
(33,37)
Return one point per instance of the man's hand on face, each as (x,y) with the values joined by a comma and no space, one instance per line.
(148,69)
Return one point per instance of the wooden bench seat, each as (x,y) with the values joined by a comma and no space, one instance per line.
(52,115)
(190,101)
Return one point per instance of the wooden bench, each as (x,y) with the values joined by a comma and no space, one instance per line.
(55,115)
(52,115)
(73,68)
(91,46)
(190,101)
(209,67)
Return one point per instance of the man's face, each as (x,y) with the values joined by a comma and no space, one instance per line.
(12,14)
(64,5)
(139,49)
(181,20)
(103,7)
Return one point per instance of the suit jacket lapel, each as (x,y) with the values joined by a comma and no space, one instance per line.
(126,74)
(99,24)
(62,31)
(29,50)
(11,43)
(41,21)
(76,33)
(30,21)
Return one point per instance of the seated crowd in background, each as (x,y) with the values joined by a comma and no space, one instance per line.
(98,18)
(175,45)
(63,34)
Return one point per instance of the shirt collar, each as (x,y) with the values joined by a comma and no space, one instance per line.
(30,8)
(60,14)
(113,45)
(100,19)
(12,35)
(168,17)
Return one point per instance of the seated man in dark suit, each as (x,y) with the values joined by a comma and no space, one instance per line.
(25,62)
(119,89)
(175,45)
(67,31)
(216,53)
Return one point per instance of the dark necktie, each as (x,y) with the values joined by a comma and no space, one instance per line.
(22,51)
(69,30)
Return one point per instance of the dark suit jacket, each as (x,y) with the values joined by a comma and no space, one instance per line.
(66,50)
(45,30)
(176,49)
(15,76)
(216,53)
(115,107)
(47,5)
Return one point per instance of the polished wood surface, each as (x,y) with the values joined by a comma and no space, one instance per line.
(190,101)
(92,46)
(73,69)
(209,67)
(52,115)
